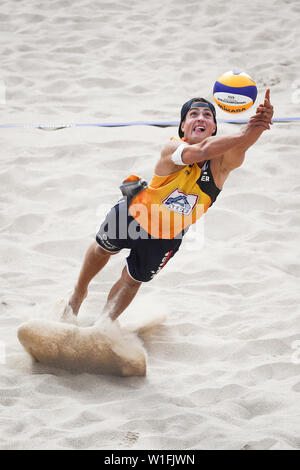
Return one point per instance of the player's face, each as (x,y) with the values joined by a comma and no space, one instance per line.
(199,124)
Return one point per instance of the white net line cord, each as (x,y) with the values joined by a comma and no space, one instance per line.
(56,127)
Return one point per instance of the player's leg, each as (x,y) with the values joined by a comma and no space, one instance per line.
(97,256)
(146,259)
(95,260)
(121,295)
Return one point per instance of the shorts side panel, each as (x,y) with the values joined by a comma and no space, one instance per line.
(129,273)
(113,233)
(106,244)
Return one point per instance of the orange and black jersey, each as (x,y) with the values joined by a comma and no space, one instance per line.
(172,203)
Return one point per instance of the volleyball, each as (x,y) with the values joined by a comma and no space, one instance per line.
(235,92)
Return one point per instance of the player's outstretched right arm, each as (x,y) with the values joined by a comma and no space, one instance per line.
(231,148)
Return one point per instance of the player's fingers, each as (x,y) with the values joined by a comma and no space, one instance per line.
(263,125)
(260,123)
(265,114)
(267,95)
(262,117)
(267,98)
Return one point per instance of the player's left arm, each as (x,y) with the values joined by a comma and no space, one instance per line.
(256,125)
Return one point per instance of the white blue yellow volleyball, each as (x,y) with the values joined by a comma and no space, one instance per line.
(235,92)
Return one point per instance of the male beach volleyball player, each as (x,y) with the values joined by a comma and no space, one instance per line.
(188,177)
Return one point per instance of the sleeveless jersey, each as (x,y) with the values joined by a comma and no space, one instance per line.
(172,203)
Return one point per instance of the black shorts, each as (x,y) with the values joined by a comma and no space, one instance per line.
(147,256)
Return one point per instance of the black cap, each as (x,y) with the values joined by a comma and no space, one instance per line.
(196,102)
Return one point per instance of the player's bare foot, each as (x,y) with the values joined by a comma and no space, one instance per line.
(76,300)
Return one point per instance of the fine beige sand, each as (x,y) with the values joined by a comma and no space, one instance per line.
(223,369)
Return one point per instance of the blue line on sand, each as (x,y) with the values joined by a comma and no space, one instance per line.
(55,127)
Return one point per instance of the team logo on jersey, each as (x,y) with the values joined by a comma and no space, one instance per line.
(180,202)
(204,173)
(205,177)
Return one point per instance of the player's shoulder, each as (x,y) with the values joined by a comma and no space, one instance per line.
(171,145)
